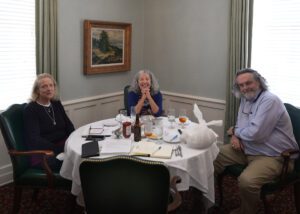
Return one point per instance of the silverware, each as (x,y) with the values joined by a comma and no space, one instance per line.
(180,151)
(177,151)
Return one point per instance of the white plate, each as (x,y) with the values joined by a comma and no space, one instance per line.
(111,123)
(169,136)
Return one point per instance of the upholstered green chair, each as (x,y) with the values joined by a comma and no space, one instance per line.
(125,184)
(11,123)
(269,191)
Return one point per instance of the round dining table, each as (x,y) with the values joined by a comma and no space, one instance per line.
(194,167)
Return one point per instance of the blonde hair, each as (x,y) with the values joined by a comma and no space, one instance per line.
(36,85)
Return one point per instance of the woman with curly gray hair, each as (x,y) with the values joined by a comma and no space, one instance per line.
(144,94)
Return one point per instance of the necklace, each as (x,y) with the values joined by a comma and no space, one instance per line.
(48,112)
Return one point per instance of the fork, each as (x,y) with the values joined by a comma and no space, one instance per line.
(176,150)
(180,151)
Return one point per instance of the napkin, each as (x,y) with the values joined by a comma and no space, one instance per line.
(200,136)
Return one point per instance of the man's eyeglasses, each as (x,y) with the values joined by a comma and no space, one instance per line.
(247,111)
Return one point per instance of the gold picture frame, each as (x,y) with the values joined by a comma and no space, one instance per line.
(107,47)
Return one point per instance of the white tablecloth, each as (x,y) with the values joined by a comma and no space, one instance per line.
(195,167)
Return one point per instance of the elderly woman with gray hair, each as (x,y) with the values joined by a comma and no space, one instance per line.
(144,94)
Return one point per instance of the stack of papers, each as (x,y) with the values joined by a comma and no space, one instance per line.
(151,149)
(116,147)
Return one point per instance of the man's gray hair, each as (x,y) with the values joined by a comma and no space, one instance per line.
(154,88)
(256,76)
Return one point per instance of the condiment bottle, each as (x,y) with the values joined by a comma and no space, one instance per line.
(126,129)
(137,129)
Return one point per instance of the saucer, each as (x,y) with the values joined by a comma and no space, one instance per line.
(110,123)
(172,137)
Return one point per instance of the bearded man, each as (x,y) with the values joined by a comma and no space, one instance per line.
(262,131)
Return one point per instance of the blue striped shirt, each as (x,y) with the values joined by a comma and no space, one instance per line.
(264,126)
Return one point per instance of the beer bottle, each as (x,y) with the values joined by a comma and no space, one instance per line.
(137,129)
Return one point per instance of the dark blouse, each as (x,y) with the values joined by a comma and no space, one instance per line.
(133,99)
(45,129)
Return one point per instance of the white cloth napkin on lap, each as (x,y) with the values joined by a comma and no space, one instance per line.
(200,136)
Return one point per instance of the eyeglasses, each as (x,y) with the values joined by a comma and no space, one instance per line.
(247,111)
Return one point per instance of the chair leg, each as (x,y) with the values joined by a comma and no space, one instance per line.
(35,194)
(220,187)
(297,196)
(17,199)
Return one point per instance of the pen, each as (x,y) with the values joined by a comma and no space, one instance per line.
(95,136)
(156,150)
(173,138)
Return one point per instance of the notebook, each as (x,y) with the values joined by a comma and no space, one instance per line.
(151,149)
(90,149)
(114,146)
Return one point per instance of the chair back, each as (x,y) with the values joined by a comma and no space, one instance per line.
(11,123)
(126,106)
(124,184)
(294,114)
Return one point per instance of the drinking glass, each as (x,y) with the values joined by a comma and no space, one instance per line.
(182,117)
(132,114)
(148,128)
(123,115)
(171,116)
(158,127)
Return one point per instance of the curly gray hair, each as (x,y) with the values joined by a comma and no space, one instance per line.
(256,76)
(36,85)
(135,82)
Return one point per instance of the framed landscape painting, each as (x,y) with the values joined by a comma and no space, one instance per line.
(107,47)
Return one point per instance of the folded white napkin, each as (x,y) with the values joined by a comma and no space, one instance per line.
(200,136)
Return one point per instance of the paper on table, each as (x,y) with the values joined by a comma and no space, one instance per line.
(116,147)
(96,129)
(151,149)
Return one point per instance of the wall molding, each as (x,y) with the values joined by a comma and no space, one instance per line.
(6,174)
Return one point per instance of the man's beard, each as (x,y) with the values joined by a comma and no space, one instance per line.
(249,95)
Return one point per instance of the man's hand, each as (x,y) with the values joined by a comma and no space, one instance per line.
(230,131)
(236,143)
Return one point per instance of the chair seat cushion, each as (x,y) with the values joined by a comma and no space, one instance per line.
(277,185)
(37,177)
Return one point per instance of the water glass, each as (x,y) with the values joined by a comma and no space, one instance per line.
(158,127)
(132,114)
(171,116)
(148,128)
(123,115)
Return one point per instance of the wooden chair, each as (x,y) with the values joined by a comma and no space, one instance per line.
(125,184)
(11,123)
